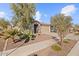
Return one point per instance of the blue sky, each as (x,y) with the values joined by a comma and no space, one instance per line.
(45,10)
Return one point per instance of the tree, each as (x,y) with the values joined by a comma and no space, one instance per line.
(23,15)
(5,36)
(4,24)
(8,34)
(62,24)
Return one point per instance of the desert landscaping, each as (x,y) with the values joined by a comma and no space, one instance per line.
(25,35)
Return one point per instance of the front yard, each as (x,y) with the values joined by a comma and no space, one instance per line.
(49,51)
(12,45)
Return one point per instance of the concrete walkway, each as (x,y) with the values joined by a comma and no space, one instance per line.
(31,48)
(26,50)
(75,50)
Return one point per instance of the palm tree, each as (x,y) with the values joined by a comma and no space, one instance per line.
(62,24)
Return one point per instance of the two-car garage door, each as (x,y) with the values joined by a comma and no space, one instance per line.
(45,29)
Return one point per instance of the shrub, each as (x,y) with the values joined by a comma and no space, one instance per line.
(11,31)
(76,33)
(56,47)
(29,36)
(66,41)
(23,36)
(19,34)
(33,37)
(27,39)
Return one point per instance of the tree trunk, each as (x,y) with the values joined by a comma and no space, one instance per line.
(61,40)
(5,46)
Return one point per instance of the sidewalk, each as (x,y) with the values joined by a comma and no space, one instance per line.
(75,50)
(31,48)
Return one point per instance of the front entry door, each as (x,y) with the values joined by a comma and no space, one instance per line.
(35,28)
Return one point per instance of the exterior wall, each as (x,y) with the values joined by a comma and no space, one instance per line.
(45,29)
(42,28)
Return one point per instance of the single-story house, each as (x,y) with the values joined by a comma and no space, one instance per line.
(39,27)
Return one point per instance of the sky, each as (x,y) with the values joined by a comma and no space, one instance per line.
(45,10)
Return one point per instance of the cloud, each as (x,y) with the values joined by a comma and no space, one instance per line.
(2,14)
(38,16)
(68,10)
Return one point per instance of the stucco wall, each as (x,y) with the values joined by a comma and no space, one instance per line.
(42,28)
(45,29)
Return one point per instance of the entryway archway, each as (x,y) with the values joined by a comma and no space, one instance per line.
(35,28)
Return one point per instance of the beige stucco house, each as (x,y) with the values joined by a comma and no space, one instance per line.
(39,27)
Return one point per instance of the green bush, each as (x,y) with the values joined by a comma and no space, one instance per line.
(56,47)
(33,37)
(11,31)
(19,34)
(23,36)
(66,40)
(29,35)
